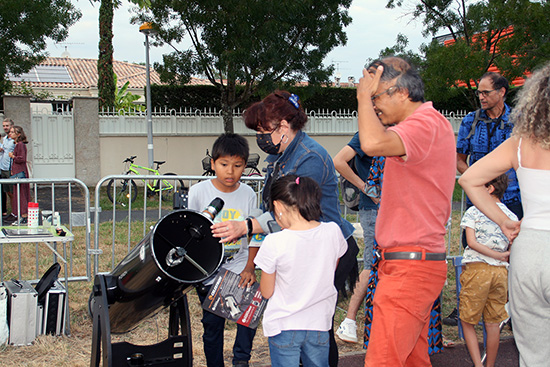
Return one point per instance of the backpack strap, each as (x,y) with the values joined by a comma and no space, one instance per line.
(477,118)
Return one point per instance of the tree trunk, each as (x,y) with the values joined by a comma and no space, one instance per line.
(227,114)
(228,104)
(105,81)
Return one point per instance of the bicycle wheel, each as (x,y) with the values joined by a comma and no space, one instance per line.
(167,193)
(126,191)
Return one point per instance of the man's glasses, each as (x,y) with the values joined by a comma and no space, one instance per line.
(485,93)
(390,91)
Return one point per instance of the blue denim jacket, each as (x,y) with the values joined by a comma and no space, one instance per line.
(307,158)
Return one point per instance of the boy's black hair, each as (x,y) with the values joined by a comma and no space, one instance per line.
(300,192)
(232,145)
(500,184)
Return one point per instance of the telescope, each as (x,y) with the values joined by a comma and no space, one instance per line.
(175,256)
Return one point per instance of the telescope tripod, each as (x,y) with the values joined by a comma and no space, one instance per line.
(176,350)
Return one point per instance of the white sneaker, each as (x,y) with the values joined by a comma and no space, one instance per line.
(347,332)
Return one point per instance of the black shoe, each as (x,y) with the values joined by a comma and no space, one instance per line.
(452,319)
(9,218)
(20,222)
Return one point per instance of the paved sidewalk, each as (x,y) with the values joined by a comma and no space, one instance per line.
(450,357)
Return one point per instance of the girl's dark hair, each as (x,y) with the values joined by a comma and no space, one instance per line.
(272,110)
(500,184)
(302,193)
(22,137)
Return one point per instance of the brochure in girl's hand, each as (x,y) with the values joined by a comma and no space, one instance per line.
(226,299)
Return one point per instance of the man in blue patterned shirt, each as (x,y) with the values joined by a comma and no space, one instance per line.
(483,130)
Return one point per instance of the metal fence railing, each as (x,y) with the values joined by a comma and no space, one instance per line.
(171,122)
(71,198)
(118,228)
(122,227)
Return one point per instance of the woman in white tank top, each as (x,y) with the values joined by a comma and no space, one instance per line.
(528,152)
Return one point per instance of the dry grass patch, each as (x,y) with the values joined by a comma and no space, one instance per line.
(75,350)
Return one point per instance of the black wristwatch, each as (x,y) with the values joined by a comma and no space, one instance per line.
(249,226)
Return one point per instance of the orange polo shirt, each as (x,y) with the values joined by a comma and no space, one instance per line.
(417,191)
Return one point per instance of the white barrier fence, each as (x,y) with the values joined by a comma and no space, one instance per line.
(172,122)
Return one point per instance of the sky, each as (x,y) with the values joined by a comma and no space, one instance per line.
(373,28)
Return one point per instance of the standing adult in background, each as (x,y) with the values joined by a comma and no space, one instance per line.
(5,165)
(279,120)
(480,132)
(21,192)
(483,130)
(368,209)
(419,178)
(528,152)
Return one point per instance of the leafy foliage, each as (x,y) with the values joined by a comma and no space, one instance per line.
(124,99)
(105,86)
(24,89)
(208,97)
(26,25)
(105,82)
(511,35)
(253,44)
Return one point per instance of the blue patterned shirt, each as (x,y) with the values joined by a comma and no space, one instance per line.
(488,134)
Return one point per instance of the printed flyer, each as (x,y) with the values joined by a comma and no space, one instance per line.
(242,305)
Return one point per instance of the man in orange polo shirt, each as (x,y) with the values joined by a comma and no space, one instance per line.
(415,205)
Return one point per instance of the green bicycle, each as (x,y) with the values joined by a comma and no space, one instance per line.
(124,191)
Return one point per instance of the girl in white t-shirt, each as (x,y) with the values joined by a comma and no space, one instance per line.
(298,265)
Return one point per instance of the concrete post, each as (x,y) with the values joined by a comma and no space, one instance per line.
(86,139)
(18,108)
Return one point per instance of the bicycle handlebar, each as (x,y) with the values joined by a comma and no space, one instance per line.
(130,159)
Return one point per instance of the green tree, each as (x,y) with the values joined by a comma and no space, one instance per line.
(400,50)
(26,25)
(511,35)
(256,44)
(105,82)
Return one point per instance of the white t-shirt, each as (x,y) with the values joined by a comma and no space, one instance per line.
(304,297)
(237,206)
(488,233)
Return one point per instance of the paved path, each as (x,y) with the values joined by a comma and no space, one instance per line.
(450,357)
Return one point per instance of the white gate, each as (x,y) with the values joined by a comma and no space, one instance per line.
(52,138)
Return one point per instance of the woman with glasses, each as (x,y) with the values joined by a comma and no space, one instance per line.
(527,152)
(279,120)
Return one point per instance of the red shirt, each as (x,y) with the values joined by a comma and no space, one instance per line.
(417,192)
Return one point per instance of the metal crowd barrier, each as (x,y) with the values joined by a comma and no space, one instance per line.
(139,213)
(70,218)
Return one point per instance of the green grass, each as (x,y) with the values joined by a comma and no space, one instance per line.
(457,192)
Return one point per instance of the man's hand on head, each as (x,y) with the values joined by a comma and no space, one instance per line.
(368,84)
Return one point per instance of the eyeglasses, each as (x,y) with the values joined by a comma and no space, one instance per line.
(390,91)
(485,93)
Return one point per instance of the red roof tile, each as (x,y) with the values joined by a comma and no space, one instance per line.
(84,73)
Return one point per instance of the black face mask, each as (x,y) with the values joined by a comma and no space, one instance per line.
(265,143)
